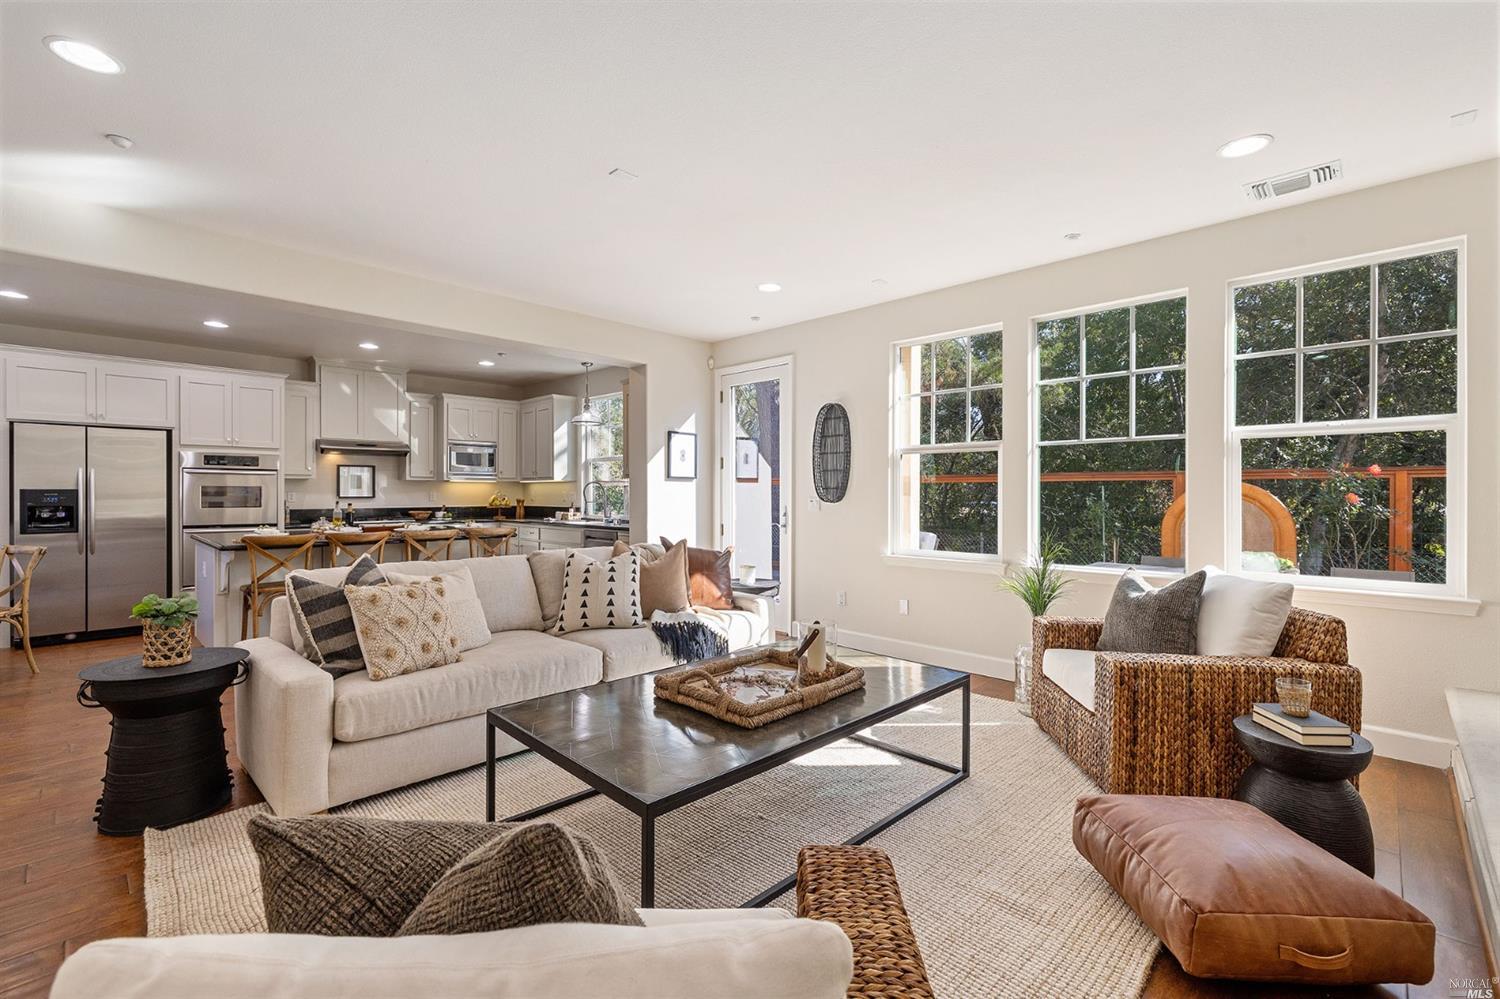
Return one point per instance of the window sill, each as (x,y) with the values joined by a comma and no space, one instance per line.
(1411,603)
(987,566)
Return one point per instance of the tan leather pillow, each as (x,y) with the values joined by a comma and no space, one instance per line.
(710,576)
(1235,894)
(664,578)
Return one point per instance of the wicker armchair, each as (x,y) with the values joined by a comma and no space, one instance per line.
(1161,723)
(855,887)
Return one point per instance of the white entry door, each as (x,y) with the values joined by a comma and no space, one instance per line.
(756,460)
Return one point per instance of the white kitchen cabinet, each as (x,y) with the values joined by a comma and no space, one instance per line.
(135,395)
(468,420)
(527,539)
(218,409)
(507,442)
(546,438)
(421,460)
(69,389)
(362,404)
(300,455)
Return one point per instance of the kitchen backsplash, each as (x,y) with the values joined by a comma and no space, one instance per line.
(394,490)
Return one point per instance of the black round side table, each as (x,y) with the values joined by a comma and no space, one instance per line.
(1307,789)
(166,763)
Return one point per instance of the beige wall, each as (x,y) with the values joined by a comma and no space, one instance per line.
(675,395)
(1407,649)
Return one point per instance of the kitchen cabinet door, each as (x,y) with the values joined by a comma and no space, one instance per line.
(421,461)
(49,388)
(204,409)
(135,395)
(486,417)
(300,431)
(338,390)
(508,442)
(257,413)
(382,406)
(458,419)
(528,435)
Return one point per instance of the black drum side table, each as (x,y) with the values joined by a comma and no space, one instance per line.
(1307,789)
(166,763)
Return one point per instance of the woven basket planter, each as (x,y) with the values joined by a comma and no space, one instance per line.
(163,646)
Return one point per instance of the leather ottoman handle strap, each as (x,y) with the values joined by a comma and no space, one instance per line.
(1330,963)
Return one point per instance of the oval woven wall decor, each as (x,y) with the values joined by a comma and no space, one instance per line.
(830,452)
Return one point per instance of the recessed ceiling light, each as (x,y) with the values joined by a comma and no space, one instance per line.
(486,363)
(1072,235)
(122,141)
(1245,145)
(367,345)
(755,319)
(879,282)
(12,293)
(768,286)
(83,55)
(215,324)
(1463,117)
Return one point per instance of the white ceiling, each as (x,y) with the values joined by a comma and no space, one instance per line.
(821,145)
(89,300)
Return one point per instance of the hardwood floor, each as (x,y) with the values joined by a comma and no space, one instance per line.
(65,885)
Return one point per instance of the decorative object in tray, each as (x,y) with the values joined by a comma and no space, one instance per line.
(758,686)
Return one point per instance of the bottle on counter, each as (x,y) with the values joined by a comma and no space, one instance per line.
(338,516)
(349,514)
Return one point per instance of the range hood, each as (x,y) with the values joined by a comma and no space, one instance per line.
(327,446)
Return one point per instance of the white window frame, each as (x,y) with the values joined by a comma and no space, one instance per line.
(898,450)
(587,433)
(1034,415)
(1454,425)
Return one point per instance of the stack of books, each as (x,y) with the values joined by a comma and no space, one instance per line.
(1314,730)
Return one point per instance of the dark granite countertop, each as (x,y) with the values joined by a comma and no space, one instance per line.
(229,541)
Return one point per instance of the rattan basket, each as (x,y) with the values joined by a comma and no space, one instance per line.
(697,686)
(164,646)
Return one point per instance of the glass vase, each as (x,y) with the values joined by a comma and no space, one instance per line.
(1023,680)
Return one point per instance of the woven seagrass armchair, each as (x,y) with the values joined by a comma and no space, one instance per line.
(1161,724)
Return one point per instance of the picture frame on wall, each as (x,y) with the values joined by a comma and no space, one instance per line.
(682,454)
(746,460)
(356,482)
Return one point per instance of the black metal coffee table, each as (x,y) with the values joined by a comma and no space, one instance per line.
(655,756)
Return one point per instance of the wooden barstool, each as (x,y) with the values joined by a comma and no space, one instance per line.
(23,560)
(351,546)
(429,546)
(489,540)
(267,584)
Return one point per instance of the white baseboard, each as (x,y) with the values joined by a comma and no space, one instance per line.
(1003,667)
(1413,747)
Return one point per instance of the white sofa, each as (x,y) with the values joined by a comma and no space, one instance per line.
(310,741)
(679,954)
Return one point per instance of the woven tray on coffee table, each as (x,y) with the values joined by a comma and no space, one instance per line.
(704,685)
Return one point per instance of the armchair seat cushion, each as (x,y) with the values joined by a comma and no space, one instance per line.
(1235,894)
(1073,671)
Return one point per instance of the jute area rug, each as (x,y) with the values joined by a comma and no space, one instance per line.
(1001,903)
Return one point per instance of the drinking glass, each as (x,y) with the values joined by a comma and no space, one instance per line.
(1295,695)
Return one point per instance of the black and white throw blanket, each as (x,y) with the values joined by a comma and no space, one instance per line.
(690,635)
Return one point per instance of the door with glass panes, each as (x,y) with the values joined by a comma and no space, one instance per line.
(755,480)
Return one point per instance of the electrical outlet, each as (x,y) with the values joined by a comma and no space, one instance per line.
(843,598)
(902,607)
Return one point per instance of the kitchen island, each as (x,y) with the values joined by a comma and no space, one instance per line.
(221,566)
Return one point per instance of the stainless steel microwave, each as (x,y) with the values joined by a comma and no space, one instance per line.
(471,461)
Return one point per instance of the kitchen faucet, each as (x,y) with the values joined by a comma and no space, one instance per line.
(603,496)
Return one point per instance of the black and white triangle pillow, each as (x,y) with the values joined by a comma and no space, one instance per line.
(600,594)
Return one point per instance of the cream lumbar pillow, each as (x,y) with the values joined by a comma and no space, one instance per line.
(600,594)
(1239,616)
(403,627)
(463,604)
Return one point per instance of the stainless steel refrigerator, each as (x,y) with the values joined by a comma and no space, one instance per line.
(99,499)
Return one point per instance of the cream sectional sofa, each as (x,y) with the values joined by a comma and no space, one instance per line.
(310,741)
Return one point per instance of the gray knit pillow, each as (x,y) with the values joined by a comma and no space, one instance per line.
(533,874)
(322,614)
(1142,619)
(348,877)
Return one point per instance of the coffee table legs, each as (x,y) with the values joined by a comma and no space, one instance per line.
(648,862)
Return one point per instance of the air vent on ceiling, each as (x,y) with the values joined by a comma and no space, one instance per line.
(1297,180)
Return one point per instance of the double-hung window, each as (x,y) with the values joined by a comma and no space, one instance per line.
(1111,433)
(946,460)
(1347,420)
(604,458)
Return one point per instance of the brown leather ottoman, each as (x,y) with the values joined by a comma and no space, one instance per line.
(1235,894)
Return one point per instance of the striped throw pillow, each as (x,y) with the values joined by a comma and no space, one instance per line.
(324,619)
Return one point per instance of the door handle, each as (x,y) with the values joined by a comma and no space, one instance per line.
(92,515)
(80,526)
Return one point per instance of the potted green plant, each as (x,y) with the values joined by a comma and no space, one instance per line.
(166,628)
(1039,583)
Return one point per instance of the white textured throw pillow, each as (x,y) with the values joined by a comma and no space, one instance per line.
(464,609)
(1239,616)
(600,594)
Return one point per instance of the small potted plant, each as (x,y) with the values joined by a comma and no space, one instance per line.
(166,628)
(1039,583)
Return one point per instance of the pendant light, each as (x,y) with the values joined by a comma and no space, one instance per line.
(586,416)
